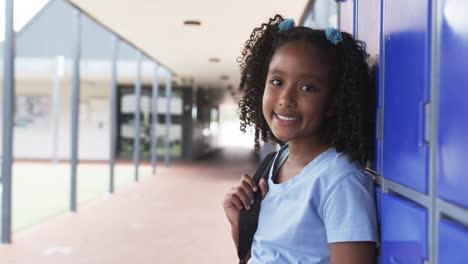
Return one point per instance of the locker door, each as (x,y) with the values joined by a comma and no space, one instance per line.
(403,231)
(452,177)
(406,66)
(453,243)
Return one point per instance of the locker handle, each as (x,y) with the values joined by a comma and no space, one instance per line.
(423,124)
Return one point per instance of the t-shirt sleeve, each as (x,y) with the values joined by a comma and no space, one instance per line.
(348,211)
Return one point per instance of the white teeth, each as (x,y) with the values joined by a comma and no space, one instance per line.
(286,118)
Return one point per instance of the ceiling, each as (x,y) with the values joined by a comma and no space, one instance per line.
(157,28)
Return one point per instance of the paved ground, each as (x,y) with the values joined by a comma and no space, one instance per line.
(175,216)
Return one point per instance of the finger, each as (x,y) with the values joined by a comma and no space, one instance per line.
(248,190)
(234,199)
(263,187)
(247,179)
(244,198)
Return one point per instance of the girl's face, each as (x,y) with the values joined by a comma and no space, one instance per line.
(297,93)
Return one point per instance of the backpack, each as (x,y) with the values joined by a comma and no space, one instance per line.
(248,219)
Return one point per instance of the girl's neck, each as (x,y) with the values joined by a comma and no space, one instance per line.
(301,153)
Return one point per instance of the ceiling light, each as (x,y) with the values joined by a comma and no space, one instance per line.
(192,23)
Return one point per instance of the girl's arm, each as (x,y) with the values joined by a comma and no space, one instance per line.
(352,253)
(350,219)
(235,237)
(241,196)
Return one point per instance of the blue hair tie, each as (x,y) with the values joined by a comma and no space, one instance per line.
(333,35)
(286,24)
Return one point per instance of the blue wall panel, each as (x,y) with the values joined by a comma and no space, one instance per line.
(406,37)
(453,243)
(404,228)
(452,174)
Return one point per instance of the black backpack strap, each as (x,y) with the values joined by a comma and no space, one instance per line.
(248,219)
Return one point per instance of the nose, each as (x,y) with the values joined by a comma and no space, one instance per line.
(288,98)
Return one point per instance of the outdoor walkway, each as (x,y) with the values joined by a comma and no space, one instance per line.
(175,216)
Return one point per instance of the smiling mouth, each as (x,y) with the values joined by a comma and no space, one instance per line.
(286,118)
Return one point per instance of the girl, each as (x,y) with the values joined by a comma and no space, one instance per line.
(311,91)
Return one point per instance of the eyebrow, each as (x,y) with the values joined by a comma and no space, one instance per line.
(305,75)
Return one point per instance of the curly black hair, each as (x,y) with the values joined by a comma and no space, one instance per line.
(351,129)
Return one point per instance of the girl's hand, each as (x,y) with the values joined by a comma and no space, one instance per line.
(241,196)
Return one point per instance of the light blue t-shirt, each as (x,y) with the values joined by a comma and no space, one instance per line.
(330,200)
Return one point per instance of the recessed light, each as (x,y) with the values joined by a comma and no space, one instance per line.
(214,59)
(192,23)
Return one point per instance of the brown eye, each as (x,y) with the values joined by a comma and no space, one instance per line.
(307,88)
(275,82)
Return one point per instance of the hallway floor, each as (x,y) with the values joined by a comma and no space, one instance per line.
(175,216)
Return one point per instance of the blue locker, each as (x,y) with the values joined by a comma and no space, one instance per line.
(453,243)
(378,194)
(406,91)
(347,16)
(404,231)
(452,177)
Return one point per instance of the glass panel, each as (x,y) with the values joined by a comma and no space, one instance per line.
(41,186)
(94,120)
(126,75)
(176,101)
(127,128)
(176,140)
(2,34)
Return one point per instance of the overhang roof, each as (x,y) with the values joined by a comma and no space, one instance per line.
(157,28)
